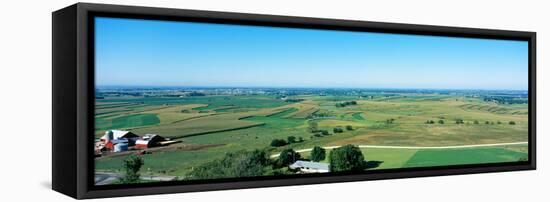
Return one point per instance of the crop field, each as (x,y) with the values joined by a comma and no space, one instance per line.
(214,125)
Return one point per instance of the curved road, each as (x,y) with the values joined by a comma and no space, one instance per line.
(416,147)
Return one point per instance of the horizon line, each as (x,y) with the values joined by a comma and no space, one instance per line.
(305,87)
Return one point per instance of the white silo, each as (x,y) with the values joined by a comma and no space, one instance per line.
(108,136)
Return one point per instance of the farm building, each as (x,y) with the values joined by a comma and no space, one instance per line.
(149,140)
(111,145)
(120,147)
(118,135)
(310,167)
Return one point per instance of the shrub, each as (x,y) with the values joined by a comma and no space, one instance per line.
(278,143)
(324,132)
(291,139)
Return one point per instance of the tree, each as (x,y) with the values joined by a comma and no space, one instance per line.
(441,121)
(476,122)
(498,122)
(337,130)
(459,121)
(288,156)
(349,127)
(300,139)
(487,122)
(324,132)
(346,158)
(312,127)
(512,123)
(278,143)
(291,139)
(318,154)
(132,165)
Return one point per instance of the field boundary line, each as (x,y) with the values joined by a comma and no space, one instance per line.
(416,147)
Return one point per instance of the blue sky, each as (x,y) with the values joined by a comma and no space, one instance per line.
(161,53)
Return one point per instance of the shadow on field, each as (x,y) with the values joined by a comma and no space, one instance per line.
(373,164)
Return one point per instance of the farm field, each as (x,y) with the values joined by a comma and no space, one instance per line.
(211,126)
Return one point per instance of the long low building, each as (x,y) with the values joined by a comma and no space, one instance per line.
(310,167)
(149,140)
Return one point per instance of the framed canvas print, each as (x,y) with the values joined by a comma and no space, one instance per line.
(155,100)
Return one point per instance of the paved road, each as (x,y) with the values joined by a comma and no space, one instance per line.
(102,178)
(416,147)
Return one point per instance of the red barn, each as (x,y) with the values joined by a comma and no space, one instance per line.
(148,141)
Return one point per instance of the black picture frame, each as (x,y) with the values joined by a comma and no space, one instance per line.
(73,99)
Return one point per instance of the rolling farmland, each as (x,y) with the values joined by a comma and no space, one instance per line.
(211,125)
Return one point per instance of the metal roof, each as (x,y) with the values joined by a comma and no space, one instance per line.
(118,134)
(310,165)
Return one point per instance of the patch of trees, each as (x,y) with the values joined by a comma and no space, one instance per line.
(237,164)
(345,104)
(321,113)
(349,127)
(282,142)
(321,133)
(441,121)
(278,143)
(337,130)
(390,121)
(294,100)
(132,165)
(194,93)
(346,158)
(318,154)
(505,100)
(430,122)
(476,122)
(287,157)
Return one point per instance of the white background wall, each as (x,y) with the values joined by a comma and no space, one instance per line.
(25,104)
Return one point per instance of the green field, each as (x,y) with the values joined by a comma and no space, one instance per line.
(213,125)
